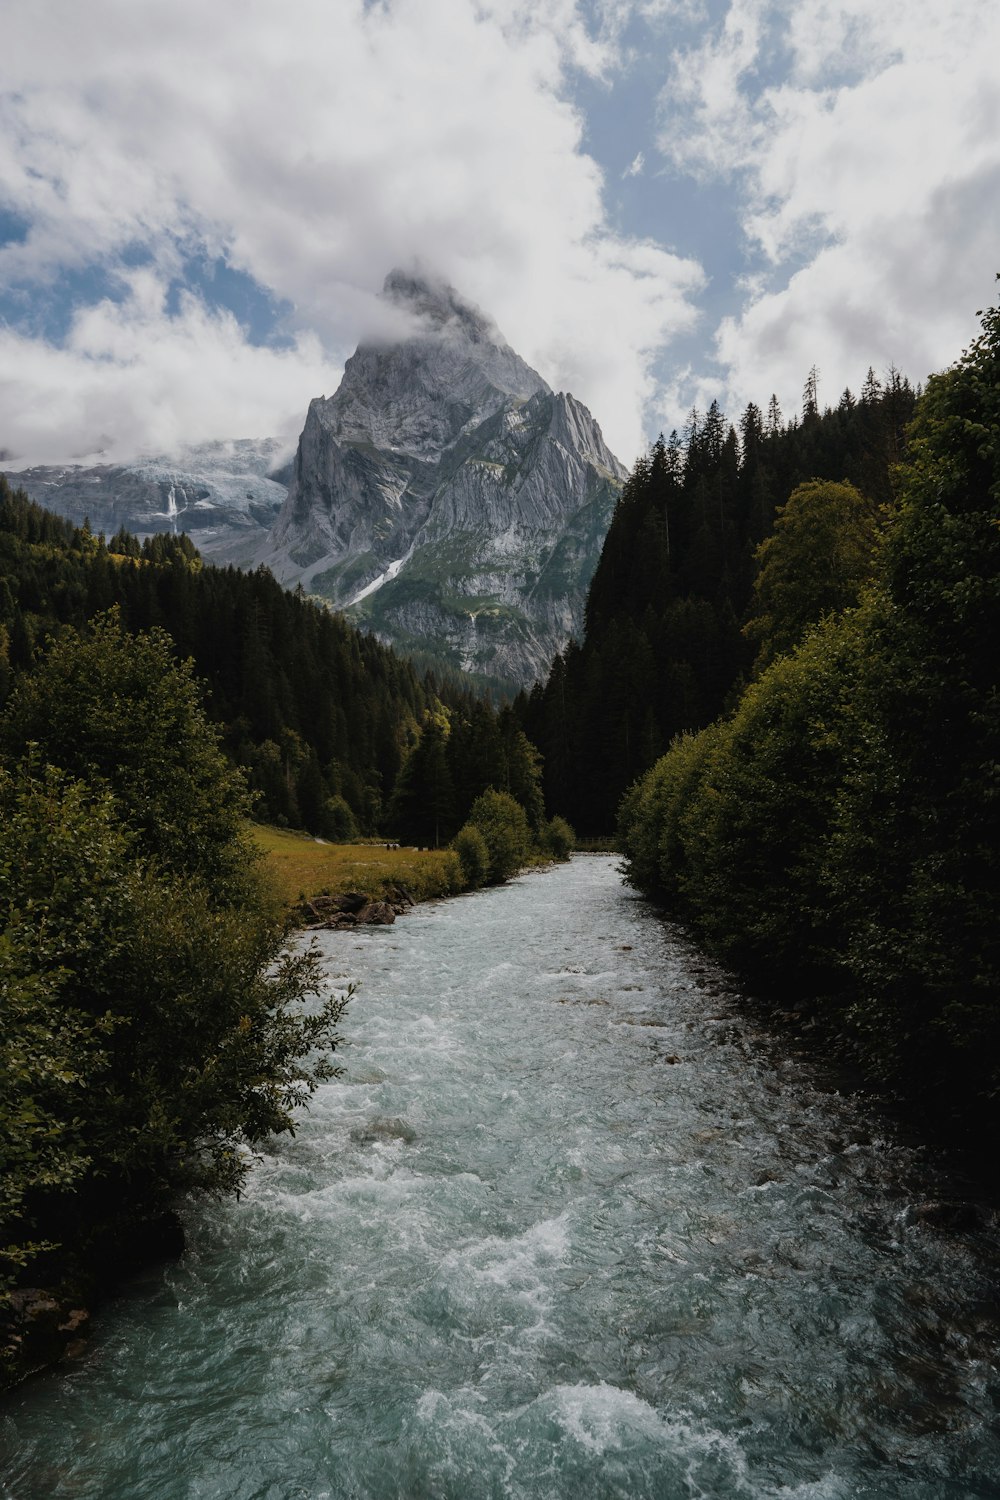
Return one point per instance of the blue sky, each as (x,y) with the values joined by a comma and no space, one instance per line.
(661,202)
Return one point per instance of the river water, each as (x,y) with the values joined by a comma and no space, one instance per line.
(568,1227)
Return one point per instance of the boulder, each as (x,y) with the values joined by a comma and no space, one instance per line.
(352,900)
(383,1128)
(376,914)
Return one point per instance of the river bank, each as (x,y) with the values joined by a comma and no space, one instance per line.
(571,1225)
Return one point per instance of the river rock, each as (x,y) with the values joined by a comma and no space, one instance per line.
(39,1327)
(328,911)
(352,900)
(383,1128)
(376,914)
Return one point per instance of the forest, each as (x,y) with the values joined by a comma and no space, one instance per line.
(834,834)
(326,722)
(664,649)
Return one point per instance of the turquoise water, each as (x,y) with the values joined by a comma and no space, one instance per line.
(567,1228)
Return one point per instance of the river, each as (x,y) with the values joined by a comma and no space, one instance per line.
(569,1226)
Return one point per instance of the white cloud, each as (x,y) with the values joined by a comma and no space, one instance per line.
(635,166)
(865,142)
(130,378)
(315,145)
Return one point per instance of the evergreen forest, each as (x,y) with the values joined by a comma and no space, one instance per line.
(834,834)
(665,648)
(326,723)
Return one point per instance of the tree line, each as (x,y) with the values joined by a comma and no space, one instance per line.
(664,649)
(837,831)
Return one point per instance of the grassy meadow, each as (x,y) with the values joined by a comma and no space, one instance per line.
(303,867)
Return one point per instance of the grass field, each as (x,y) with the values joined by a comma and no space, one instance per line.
(302,867)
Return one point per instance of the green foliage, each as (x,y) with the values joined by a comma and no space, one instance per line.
(338,821)
(153,1022)
(474,856)
(48,1057)
(652,814)
(558,838)
(815,563)
(423,806)
(503,824)
(842,827)
(119,711)
(755,835)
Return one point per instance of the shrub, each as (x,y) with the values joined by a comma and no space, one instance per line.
(503,824)
(152,1022)
(474,856)
(558,838)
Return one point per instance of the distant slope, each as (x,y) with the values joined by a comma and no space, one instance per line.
(226,493)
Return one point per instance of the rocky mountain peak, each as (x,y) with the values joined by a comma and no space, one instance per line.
(437,305)
(446,497)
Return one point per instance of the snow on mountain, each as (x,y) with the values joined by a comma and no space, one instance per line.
(226,494)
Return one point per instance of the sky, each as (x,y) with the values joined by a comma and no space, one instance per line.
(660,202)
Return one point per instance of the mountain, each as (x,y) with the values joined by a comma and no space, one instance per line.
(445,497)
(226,494)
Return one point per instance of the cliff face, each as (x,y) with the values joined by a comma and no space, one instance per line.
(446,498)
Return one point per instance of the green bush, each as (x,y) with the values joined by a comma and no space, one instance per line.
(558,838)
(816,563)
(474,856)
(503,824)
(119,711)
(651,816)
(754,837)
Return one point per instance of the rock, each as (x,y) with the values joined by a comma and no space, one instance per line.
(39,1327)
(444,493)
(383,1128)
(376,914)
(958,1216)
(352,900)
(335,911)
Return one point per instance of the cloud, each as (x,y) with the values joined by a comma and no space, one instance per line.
(313,146)
(132,378)
(865,145)
(635,166)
